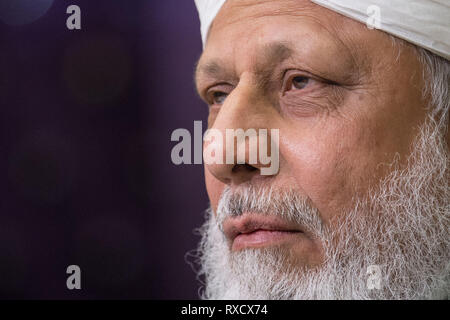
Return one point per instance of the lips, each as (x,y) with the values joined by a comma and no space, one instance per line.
(256,230)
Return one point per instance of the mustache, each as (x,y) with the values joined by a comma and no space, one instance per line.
(287,204)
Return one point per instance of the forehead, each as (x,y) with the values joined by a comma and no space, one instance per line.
(235,12)
(244,30)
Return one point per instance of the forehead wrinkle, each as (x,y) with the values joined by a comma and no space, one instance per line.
(271,55)
(237,12)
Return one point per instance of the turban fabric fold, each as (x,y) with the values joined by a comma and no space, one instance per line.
(425,23)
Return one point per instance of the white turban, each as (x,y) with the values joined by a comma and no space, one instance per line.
(425,23)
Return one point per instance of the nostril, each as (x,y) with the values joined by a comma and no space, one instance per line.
(243,168)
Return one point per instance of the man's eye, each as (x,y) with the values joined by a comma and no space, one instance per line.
(300,82)
(219,97)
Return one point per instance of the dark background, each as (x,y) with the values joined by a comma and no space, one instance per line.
(86,175)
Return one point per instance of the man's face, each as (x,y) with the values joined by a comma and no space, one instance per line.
(342,102)
(345,105)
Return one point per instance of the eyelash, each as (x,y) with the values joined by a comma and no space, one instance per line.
(291,74)
(211,94)
(218,95)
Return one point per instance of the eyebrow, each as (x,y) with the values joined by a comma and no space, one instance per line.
(271,55)
(211,69)
(275,53)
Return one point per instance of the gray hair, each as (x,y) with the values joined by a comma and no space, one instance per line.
(436,74)
(437,80)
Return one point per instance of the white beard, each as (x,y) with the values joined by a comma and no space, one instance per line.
(403,227)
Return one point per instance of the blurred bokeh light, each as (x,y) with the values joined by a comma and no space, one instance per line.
(41,169)
(111,252)
(97,69)
(85,123)
(20,12)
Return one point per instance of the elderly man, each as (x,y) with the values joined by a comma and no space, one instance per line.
(360,205)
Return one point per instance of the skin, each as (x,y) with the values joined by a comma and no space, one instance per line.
(359,107)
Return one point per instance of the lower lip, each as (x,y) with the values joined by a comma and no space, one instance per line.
(262,238)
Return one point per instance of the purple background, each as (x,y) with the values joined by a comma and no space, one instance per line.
(86,174)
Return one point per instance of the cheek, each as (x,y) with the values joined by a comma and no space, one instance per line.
(320,170)
(214,188)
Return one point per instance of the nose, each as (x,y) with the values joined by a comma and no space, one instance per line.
(236,136)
